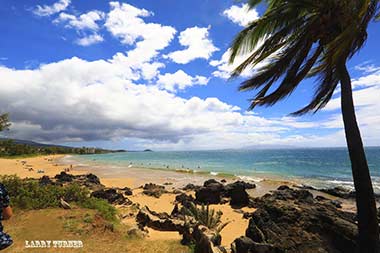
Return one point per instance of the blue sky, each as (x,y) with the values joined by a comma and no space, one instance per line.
(152,74)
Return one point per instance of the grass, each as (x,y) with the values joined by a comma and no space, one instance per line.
(79,224)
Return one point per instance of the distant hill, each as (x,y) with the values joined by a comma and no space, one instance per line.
(34,144)
(16,147)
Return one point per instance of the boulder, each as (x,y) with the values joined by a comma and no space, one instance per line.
(161,222)
(242,244)
(63,177)
(283,187)
(127,191)
(286,221)
(337,203)
(321,198)
(190,187)
(93,179)
(238,195)
(246,185)
(340,192)
(154,190)
(211,194)
(175,211)
(111,195)
(204,240)
(254,232)
(210,181)
(184,199)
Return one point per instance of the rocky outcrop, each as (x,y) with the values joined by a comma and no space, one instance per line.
(63,177)
(111,195)
(158,221)
(237,193)
(340,192)
(214,192)
(127,191)
(206,240)
(245,244)
(293,221)
(154,190)
(191,187)
(245,185)
(92,179)
(209,194)
(89,181)
(185,200)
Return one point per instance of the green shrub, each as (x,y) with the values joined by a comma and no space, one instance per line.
(29,194)
(106,210)
(204,215)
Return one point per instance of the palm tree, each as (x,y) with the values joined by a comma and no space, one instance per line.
(298,39)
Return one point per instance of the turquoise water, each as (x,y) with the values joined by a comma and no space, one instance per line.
(318,166)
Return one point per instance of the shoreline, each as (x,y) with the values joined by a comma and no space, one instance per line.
(135,176)
(172,180)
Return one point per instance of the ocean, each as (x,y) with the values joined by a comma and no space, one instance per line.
(318,167)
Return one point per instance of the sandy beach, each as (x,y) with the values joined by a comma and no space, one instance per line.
(36,167)
(51,165)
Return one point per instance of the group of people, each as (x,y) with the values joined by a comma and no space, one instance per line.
(5,214)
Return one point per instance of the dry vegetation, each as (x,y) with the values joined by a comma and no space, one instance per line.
(79,224)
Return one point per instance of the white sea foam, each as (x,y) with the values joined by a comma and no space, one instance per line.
(248,178)
(214,173)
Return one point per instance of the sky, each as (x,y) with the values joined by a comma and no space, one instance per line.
(154,74)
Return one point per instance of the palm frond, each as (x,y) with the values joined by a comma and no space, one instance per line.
(298,39)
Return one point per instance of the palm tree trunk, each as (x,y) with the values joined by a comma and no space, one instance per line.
(365,201)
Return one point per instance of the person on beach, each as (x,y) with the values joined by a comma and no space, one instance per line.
(5,214)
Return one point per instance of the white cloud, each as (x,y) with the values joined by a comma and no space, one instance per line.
(367,68)
(89,40)
(179,81)
(241,15)
(125,22)
(78,100)
(366,96)
(224,68)
(86,21)
(198,44)
(48,10)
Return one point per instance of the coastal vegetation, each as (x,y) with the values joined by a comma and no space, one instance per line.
(295,40)
(31,194)
(206,216)
(16,148)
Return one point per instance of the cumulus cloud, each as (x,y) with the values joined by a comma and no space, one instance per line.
(198,44)
(89,40)
(126,23)
(241,15)
(179,81)
(48,10)
(224,68)
(86,21)
(79,100)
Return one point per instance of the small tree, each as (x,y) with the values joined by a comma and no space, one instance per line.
(4,122)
